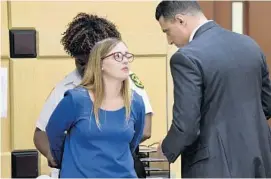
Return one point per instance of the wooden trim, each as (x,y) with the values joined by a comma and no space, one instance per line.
(245,17)
(220,11)
(223,13)
(207,8)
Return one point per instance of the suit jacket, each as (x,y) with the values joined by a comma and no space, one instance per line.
(222,98)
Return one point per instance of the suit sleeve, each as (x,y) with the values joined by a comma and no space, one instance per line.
(266,89)
(60,121)
(184,129)
(139,124)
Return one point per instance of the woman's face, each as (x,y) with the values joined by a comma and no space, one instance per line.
(115,64)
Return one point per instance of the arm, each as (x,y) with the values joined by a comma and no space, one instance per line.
(42,144)
(147,127)
(266,89)
(138,86)
(40,138)
(61,120)
(148,114)
(186,109)
(139,124)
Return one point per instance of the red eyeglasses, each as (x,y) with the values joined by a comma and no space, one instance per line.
(118,56)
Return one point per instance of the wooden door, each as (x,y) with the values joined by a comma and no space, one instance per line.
(257,24)
(220,11)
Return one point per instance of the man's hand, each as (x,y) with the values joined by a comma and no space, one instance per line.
(50,159)
(160,152)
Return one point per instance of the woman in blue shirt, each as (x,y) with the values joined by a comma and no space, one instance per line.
(96,127)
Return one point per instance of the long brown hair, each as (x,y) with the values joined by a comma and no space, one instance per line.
(93,80)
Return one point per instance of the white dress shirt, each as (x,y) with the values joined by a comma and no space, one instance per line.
(195,30)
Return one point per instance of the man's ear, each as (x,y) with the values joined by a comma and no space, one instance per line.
(180,19)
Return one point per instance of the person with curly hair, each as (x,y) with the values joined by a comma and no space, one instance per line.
(78,40)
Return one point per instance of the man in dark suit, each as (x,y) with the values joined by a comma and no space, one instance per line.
(222,97)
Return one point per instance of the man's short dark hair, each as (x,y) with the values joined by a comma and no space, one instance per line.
(168,9)
(83,33)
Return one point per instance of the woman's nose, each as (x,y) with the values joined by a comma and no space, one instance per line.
(125,60)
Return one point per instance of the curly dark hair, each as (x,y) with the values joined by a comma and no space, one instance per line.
(83,33)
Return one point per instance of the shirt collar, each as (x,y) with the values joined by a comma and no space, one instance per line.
(73,78)
(77,79)
(195,30)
